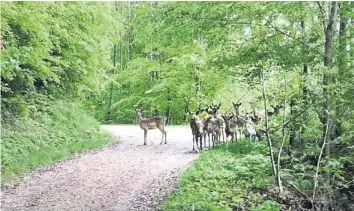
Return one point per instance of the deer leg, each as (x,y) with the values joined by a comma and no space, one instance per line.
(145,135)
(201,142)
(163,132)
(209,139)
(193,142)
(196,141)
(204,140)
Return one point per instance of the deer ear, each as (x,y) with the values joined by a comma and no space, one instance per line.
(197,112)
(142,110)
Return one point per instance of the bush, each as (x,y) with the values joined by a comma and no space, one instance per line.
(226,178)
(30,142)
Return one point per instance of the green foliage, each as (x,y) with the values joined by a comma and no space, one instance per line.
(54,48)
(63,129)
(173,57)
(227,177)
(267,206)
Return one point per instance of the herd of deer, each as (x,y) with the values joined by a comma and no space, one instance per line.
(215,126)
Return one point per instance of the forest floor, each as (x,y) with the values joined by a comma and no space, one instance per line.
(122,176)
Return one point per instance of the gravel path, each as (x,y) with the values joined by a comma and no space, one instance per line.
(123,176)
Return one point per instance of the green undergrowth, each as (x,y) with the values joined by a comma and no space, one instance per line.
(229,177)
(61,130)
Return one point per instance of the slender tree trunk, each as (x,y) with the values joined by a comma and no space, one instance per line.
(197,86)
(292,138)
(342,66)
(326,121)
(129,33)
(271,152)
(109,112)
(281,147)
(304,81)
(186,110)
(329,32)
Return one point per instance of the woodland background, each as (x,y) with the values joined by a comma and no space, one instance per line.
(68,66)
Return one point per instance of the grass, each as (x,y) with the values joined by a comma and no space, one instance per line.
(230,177)
(28,143)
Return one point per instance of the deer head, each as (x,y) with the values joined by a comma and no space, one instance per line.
(139,112)
(237,107)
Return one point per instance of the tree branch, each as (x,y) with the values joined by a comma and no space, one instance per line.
(295,117)
(288,35)
(319,157)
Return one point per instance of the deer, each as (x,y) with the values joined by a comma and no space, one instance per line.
(259,115)
(240,120)
(215,109)
(230,126)
(157,122)
(197,126)
(211,126)
(250,132)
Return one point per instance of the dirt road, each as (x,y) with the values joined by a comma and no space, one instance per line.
(123,176)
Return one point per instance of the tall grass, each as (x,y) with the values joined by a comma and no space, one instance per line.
(229,177)
(62,130)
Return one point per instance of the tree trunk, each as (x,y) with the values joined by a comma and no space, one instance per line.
(304,82)
(186,110)
(129,34)
(269,141)
(109,112)
(329,31)
(293,125)
(342,66)
(197,87)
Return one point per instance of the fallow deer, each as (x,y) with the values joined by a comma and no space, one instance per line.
(212,126)
(250,132)
(220,120)
(197,126)
(231,126)
(157,122)
(241,123)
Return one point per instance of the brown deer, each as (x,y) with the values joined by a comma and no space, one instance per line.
(250,132)
(211,126)
(220,120)
(241,123)
(259,115)
(230,126)
(151,123)
(197,126)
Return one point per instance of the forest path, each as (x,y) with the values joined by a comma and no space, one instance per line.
(123,176)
